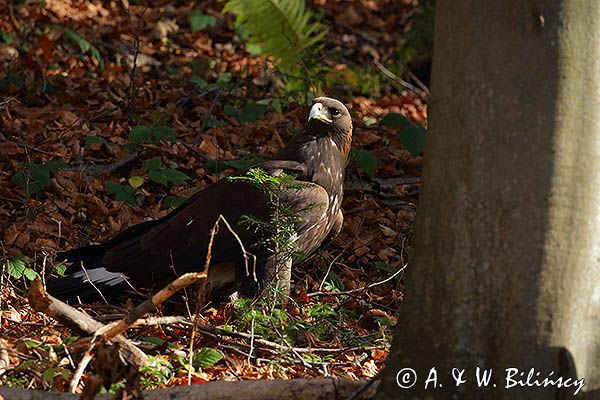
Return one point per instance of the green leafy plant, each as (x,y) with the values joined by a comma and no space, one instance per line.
(173,201)
(91,140)
(18,267)
(157,371)
(240,163)
(159,173)
(60,269)
(120,192)
(333,283)
(84,46)
(33,177)
(206,357)
(279,229)
(366,161)
(280,29)
(150,134)
(6,37)
(411,136)
(249,113)
(199,21)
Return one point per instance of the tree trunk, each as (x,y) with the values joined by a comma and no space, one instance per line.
(506,269)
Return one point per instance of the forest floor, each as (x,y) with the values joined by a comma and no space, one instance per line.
(78,125)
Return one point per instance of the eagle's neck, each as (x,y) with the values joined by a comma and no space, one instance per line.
(325,164)
(325,155)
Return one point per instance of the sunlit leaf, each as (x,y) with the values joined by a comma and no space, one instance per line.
(206,357)
(136,181)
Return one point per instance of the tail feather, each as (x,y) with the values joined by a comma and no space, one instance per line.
(86,286)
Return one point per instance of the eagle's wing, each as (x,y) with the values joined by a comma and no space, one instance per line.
(153,253)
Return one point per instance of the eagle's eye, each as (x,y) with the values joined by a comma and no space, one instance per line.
(335,112)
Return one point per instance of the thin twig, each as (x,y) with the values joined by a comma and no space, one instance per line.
(207,117)
(200,300)
(92,283)
(83,363)
(346,292)
(390,75)
(132,89)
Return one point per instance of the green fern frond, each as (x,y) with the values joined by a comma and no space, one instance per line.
(280,27)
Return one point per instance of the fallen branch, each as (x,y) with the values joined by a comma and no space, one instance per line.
(131,357)
(108,332)
(122,360)
(296,389)
(98,170)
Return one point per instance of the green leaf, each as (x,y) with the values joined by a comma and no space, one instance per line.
(166,175)
(173,201)
(84,46)
(229,110)
(174,176)
(206,357)
(198,20)
(224,79)
(164,133)
(201,83)
(154,340)
(366,161)
(252,111)
(136,181)
(30,274)
(153,164)
(413,138)
(53,166)
(16,266)
(112,187)
(254,49)
(395,120)
(121,192)
(90,140)
(33,177)
(60,269)
(158,176)
(127,194)
(48,375)
(6,38)
(140,134)
(282,28)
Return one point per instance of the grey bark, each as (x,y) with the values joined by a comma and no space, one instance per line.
(506,269)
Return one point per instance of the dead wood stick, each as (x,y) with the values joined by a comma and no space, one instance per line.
(85,360)
(98,170)
(108,332)
(323,388)
(78,320)
(217,331)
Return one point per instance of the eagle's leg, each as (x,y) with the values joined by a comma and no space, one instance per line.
(271,282)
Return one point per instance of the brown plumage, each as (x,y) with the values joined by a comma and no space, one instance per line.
(151,254)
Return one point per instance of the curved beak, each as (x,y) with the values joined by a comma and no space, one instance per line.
(319,112)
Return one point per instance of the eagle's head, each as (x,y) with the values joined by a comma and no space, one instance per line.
(331,117)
